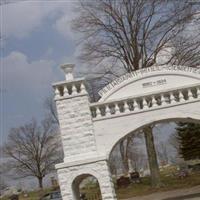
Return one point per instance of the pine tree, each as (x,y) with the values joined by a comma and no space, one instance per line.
(188,135)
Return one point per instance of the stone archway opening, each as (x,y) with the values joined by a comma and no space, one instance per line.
(86,187)
(173,167)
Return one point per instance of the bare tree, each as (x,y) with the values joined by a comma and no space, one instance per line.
(174,142)
(126,147)
(3,184)
(114,164)
(138,159)
(163,153)
(152,156)
(137,155)
(50,108)
(33,150)
(93,85)
(132,33)
(186,47)
(124,150)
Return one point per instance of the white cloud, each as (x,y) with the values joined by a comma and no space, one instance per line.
(62,25)
(21,18)
(49,52)
(21,75)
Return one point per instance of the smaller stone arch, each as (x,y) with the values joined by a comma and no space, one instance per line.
(76,188)
(71,177)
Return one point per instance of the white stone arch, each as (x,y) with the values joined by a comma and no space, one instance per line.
(125,84)
(168,81)
(89,131)
(193,118)
(178,75)
(96,168)
(78,178)
(83,173)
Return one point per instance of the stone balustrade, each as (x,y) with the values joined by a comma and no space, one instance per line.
(143,103)
(69,89)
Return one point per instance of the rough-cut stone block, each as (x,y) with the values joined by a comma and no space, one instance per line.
(99,169)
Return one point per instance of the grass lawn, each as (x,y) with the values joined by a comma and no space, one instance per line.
(140,189)
(33,195)
(170,183)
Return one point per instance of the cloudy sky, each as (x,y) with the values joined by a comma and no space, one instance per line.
(36,39)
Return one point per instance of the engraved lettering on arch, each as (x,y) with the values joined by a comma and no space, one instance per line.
(143,72)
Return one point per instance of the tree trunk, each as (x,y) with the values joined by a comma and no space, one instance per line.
(152,157)
(123,156)
(40,182)
(124,144)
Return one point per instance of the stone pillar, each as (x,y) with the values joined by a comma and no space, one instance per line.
(69,177)
(78,138)
(106,183)
(74,117)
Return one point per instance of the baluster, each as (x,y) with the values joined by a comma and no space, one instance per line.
(74,89)
(135,105)
(83,90)
(144,103)
(181,97)
(57,93)
(117,110)
(163,100)
(154,102)
(126,106)
(172,98)
(107,111)
(98,111)
(66,92)
(198,92)
(190,95)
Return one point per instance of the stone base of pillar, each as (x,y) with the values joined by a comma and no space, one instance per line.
(70,177)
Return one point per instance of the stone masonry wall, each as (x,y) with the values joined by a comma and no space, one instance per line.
(76,126)
(99,170)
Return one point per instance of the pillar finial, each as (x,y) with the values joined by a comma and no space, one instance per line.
(68,70)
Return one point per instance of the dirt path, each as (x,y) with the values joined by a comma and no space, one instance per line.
(180,194)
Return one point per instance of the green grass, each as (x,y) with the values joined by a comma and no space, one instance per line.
(33,195)
(170,182)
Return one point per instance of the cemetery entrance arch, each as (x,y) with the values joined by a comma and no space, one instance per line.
(90,130)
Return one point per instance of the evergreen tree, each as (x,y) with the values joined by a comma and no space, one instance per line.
(188,135)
